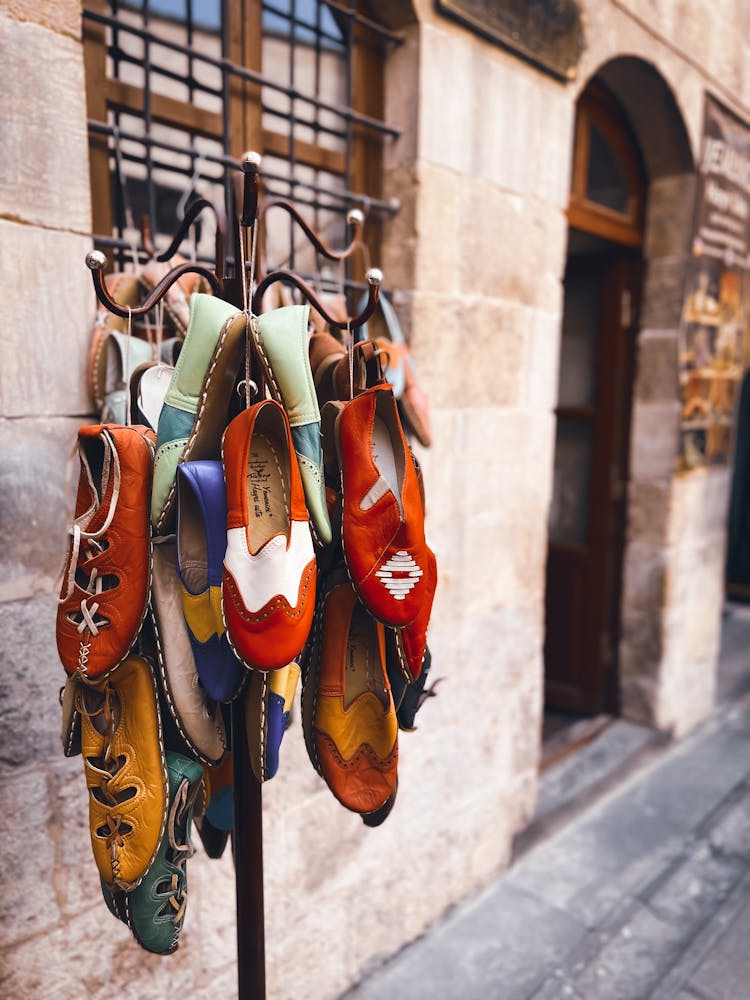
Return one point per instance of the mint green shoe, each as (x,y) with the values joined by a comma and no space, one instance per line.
(210,334)
(281,339)
(155,910)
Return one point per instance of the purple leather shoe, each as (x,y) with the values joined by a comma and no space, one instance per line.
(201,544)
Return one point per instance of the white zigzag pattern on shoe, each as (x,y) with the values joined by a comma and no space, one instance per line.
(399,586)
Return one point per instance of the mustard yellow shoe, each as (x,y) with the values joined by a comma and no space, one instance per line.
(126,773)
(348,715)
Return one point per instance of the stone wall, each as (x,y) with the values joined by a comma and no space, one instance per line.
(477,256)
(56,938)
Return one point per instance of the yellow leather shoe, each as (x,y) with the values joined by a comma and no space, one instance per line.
(348,715)
(126,774)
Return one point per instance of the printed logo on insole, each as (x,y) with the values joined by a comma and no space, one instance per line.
(357,645)
(259,481)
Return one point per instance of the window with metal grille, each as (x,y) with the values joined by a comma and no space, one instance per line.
(179,89)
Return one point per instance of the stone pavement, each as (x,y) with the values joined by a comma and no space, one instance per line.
(643,896)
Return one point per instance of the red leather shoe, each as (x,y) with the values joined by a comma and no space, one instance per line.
(108,570)
(411,640)
(383,516)
(268,582)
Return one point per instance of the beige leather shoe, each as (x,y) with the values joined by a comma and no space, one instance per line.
(198,718)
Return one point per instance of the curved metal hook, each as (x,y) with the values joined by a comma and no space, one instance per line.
(95,261)
(355,217)
(374,280)
(195,209)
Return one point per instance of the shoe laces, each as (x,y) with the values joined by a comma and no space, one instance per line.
(92,542)
(177,831)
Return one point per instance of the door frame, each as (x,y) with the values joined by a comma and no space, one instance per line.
(598,688)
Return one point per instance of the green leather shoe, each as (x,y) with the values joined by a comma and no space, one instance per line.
(210,319)
(155,911)
(281,339)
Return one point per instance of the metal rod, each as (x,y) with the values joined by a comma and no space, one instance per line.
(248,865)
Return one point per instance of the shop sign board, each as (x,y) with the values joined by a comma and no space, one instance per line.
(715,313)
(547,33)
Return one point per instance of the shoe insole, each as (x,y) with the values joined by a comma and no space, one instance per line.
(191,541)
(267,506)
(364,670)
(385,462)
(98,460)
(152,389)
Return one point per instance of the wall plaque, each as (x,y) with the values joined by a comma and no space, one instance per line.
(547,33)
(716,305)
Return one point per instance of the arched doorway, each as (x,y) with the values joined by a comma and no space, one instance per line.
(587,521)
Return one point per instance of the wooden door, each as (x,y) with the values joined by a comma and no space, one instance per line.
(587,514)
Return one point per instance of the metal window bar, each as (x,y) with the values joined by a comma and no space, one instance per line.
(159,150)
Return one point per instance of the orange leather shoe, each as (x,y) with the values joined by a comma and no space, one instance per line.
(108,570)
(268,583)
(383,516)
(125,770)
(348,715)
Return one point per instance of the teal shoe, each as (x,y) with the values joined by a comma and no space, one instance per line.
(155,910)
(281,339)
(206,338)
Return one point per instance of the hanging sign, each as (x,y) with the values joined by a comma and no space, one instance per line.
(547,33)
(715,310)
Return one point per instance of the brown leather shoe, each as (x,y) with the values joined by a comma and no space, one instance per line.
(108,570)
(348,715)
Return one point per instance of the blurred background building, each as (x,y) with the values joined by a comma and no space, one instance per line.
(539,181)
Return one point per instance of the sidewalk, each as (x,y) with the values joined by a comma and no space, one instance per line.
(643,896)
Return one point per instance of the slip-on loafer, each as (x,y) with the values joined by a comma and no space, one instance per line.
(268,586)
(268,706)
(148,387)
(201,544)
(348,714)
(382,526)
(217,821)
(104,370)
(206,369)
(125,771)
(107,574)
(122,360)
(197,717)
(281,339)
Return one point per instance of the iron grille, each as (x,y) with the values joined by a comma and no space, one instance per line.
(173,89)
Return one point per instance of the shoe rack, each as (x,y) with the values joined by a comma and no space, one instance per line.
(237,288)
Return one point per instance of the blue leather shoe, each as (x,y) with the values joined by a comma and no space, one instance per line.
(201,544)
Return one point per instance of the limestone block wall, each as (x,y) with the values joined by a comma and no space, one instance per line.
(56,938)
